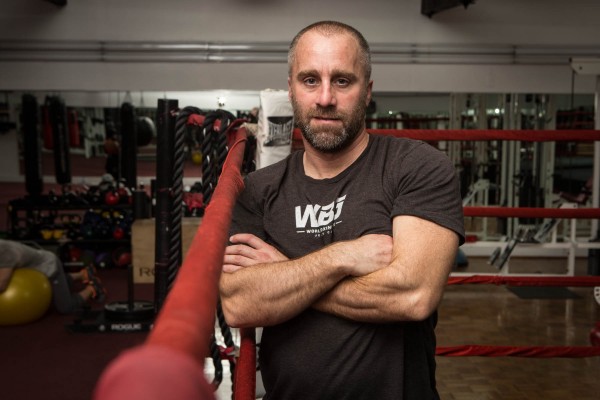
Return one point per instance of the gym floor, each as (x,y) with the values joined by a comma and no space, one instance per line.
(43,360)
(494,315)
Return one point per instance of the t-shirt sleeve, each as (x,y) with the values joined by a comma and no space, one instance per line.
(248,212)
(10,256)
(427,187)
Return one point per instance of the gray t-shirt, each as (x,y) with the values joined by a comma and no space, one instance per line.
(319,356)
(18,255)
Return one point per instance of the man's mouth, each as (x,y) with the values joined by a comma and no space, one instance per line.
(326,117)
(326,121)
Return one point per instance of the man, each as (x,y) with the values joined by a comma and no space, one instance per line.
(15,255)
(342,251)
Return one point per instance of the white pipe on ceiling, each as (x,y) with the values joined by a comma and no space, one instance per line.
(276,52)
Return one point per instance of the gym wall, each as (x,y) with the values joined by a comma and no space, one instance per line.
(554,26)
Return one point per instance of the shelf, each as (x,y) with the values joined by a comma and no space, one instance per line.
(44,203)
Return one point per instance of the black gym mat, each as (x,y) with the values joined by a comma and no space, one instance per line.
(537,292)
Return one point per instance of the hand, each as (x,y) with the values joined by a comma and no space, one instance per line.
(248,250)
(367,254)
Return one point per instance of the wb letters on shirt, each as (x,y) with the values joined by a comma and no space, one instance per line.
(317,219)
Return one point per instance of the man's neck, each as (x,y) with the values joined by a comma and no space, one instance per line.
(319,165)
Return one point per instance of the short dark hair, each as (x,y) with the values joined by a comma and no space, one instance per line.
(330,28)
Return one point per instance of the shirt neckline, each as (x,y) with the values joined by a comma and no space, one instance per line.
(299,166)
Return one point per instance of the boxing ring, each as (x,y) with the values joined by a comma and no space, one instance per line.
(170,364)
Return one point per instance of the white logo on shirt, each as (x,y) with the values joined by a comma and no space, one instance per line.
(320,219)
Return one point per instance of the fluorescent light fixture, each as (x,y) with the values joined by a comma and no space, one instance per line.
(586,66)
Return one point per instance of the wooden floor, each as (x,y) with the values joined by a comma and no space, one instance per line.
(493,315)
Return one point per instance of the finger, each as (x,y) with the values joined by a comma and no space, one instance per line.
(239,249)
(238,260)
(248,239)
(245,254)
(230,268)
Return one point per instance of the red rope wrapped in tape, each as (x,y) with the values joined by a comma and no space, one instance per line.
(429,135)
(555,281)
(531,212)
(186,320)
(525,135)
(170,364)
(519,351)
(245,371)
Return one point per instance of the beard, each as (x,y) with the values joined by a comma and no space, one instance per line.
(330,139)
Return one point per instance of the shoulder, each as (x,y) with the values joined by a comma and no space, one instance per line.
(403,150)
(397,144)
(270,178)
(411,165)
(274,170)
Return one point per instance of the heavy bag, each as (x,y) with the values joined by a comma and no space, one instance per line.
(74,132)
(275,127)
(57,112)
(129,145)
(46,129)
(32,150)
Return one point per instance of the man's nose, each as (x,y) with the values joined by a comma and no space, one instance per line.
(326,96)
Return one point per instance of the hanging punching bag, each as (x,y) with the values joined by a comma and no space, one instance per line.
(74,132)
(32,151)
(57,112)
(129,146)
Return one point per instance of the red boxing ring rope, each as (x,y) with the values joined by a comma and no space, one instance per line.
(170,364)
(527,135)
(519,351)
(186,321)
(554,281)
(549,281)
(245,369)
(531,212)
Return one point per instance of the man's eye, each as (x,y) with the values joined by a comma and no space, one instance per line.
(342,82)
(310,81)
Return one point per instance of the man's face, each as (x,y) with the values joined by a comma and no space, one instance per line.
(328,91)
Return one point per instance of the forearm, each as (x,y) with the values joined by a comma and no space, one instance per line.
(409,289)
(380,297)
(271,293)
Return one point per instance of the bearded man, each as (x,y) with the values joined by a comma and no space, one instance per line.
(342,251)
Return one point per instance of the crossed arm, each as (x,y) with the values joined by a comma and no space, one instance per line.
(372,279)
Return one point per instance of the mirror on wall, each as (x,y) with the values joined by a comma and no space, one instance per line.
(92,125)
(93,120)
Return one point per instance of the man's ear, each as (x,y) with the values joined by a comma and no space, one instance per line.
(369,92)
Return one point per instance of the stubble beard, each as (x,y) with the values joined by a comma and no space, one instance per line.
(330,139)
